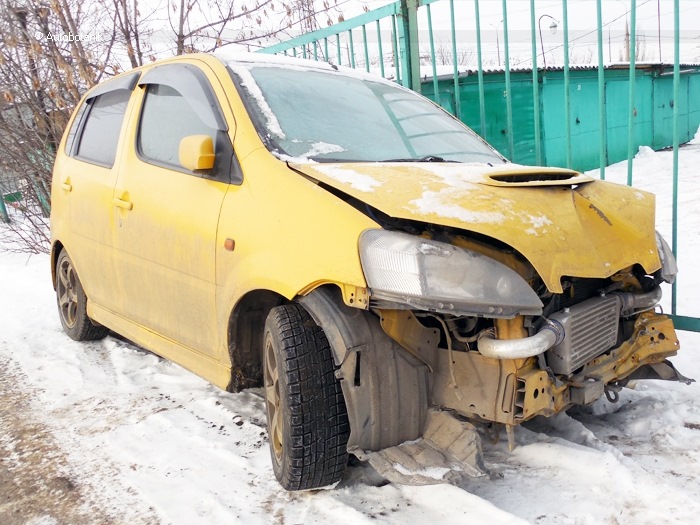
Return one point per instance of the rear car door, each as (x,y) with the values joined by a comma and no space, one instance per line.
(167,215)
(82,216)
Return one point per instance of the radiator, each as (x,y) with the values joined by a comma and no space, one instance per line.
(591,329)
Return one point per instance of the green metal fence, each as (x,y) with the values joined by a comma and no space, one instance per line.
(4,216)
(653,118)
(388,40)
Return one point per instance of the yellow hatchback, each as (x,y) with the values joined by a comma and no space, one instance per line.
(381,271)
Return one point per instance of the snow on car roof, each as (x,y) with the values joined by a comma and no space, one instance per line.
(230,57)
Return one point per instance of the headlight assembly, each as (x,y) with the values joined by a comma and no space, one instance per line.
(413,272)
(669,268)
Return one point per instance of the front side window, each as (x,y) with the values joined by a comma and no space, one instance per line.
(100,134)
(167,118)
(330,116)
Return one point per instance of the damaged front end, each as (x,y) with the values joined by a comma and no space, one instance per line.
(546,300)
(512,363)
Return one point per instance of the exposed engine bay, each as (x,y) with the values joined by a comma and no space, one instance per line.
(590,340)
(522,338)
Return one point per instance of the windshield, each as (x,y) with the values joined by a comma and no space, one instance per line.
(329,116)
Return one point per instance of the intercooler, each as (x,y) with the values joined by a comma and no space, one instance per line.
(590,329)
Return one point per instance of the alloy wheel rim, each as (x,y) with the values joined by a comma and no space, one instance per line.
(67,293)
(272,396)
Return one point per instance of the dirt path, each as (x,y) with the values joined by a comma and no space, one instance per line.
(36,485)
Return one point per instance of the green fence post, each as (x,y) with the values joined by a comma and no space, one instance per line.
(413,44)
(458,111)
(633,78)
(509,98)
(397,51)
(340,53)
(601,92)
(482,102)
(567,85)
(379,46)
(676,99)
(535,87)
(436,94)
(364,42)
(4,216)
(402,43)
(352,49)
(408,39)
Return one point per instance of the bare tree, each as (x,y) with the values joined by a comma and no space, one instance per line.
(52,51)
(45,66)
(640,49)
(444,54)
(132,28)
(196,27)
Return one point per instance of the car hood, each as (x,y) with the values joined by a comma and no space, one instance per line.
(563,222)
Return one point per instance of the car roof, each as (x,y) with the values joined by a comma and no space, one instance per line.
(233,58)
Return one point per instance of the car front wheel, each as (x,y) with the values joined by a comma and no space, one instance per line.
(306,415)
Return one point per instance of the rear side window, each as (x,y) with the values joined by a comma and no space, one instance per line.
(167,118)
(100,132)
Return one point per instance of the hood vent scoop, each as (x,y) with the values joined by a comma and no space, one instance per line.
(536,178)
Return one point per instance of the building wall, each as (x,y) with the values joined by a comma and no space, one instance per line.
(653,121)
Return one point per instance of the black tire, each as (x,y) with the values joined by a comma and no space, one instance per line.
(72,303)
(307,419)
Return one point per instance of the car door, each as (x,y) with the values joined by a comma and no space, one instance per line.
(82,209)
(166,216)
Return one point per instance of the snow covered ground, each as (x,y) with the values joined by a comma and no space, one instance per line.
(110,433)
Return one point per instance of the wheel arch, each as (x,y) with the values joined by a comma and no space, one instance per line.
(244,337)
(246,324)
(56,249)
(386,389)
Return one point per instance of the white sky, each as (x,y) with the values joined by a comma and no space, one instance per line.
(582,24)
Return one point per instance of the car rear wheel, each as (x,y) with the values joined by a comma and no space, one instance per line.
(306,415)
(72,303)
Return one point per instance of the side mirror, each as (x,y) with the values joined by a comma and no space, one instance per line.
(197,152)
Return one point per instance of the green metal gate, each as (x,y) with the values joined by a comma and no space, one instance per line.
(510,116)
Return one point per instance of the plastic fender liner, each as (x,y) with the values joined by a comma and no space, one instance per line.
(385,387)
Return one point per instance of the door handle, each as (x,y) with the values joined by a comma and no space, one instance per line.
(127,205)
(66,185)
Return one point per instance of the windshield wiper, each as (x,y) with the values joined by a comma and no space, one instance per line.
(427,158)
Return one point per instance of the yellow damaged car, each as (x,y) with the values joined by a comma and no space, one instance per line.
(387,277)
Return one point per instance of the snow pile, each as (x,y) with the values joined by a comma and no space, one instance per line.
(696,138)
(645,152)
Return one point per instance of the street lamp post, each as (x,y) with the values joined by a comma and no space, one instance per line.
(498,46)
(553,29)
